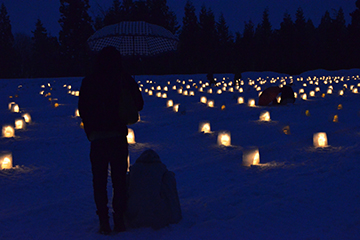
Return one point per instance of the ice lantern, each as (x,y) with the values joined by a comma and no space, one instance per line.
(170,103)
(320,140)
(265,116)
(26,117)
(251,157)
(204,127)
(5,160)
(224,138)
(251,102)
(131,136)
(15,108)
(20,123)
(8,131)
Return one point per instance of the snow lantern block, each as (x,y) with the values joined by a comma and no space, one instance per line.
(6,160)
(224,138)
(131,136)
(204,127)
(320,140)
(211,103)
(176,107)
(203,99)
(251,102)
(20,123)
(10,105)
(265,116)
(251,156)
(8,131)
(240,100)
(15,108)
(27,117)
(169,103)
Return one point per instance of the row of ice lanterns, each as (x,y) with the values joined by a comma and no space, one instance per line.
(8,131)
(251,156)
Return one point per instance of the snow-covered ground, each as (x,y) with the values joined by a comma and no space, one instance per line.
(297,192)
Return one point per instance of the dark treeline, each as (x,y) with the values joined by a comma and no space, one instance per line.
(206,45)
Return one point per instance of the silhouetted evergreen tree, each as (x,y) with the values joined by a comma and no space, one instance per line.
(225,40)
(6,45)
(207,39)
(247,49)
(341,45)
(354,36)
(300,43)
(160,14)
(115,14)
(45,54)
(189,40)
(285,44)
(263,36)
(76,28)
(23,52)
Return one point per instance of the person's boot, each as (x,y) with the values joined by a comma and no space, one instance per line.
(104,225)
(119,225)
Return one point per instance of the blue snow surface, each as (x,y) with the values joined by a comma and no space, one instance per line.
(296,192)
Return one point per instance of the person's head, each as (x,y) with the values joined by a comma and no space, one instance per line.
(108,59)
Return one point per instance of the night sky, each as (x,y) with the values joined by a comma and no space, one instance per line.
(24,13)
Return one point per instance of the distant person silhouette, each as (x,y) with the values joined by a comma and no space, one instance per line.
(287,95)
(99,103)
(210,78)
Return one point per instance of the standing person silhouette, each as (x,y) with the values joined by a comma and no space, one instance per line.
(99,106)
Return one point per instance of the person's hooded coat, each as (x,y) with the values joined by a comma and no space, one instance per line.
(100,96)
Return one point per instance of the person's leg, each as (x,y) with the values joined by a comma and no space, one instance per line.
(118,175)
(99,166)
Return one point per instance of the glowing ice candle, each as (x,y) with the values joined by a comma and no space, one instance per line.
(320,140)
(15,108)
(131,136)
(8,131)
(224,138)
(26,117)
(203,99)
(251,157)
(170,103)
(20,123)
(176,107)
(265,116)
(240,100)
(251,102)
(211,103)
(10,105)
(77,113)
(204,127)
(6,160)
